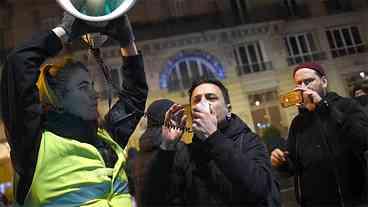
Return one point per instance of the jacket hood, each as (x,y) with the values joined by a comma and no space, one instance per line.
(150,139)
(70,126)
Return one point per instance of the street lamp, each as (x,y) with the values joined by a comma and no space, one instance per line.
(362,75)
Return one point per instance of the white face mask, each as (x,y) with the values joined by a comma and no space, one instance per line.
(204,106)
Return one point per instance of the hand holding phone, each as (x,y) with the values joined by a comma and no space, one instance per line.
(291,98)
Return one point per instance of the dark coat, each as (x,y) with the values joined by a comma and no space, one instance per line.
(363,101)
(230,168)
(25,120)
(326,151)
(149,144)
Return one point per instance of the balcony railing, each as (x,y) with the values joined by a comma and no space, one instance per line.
(334,7)
(307,57)
(176,26)
(254,67)
(349,50)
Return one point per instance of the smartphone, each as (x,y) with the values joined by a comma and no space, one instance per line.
(291,99)
(188,131)
(177,117)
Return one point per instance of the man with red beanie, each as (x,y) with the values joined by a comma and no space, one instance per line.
(326,144)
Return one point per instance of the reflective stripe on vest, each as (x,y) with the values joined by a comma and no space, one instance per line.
(71,173)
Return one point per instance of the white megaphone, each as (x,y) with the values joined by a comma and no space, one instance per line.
(96,10)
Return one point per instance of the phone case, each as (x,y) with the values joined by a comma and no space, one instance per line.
(291,99)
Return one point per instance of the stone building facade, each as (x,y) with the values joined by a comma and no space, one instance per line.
(251,45)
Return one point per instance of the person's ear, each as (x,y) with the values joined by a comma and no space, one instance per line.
(228,106)
(228,114)
(324,81)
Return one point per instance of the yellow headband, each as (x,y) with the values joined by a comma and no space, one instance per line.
(47,95)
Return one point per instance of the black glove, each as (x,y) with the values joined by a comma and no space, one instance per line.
(75,28)
(120,30)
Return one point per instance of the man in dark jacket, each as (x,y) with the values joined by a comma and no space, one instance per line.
(326,143)
(360,94)
(225,165)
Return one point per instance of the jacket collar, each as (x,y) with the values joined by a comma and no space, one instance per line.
(330,97)
(230,128)
(233,127)
(70,126)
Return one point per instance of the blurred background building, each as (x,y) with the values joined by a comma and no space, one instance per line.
(251,45)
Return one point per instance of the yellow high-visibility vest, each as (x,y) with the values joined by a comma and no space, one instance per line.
(70,173)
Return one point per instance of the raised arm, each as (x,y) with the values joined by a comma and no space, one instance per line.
(20,100)
(22,112)
(123,118)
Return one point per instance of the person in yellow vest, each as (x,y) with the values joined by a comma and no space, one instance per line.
(62,156)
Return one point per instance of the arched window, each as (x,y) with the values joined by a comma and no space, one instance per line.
(186,67)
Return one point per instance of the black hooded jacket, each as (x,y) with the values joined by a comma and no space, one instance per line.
(326,152)
(230,168)
(363,101)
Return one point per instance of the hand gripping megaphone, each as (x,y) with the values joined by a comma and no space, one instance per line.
(96,10)
(97,13)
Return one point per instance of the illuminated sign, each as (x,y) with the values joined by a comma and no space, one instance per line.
(211,62)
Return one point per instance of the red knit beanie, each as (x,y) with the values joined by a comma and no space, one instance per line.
(313,66)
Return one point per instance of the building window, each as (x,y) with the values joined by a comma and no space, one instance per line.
(291,7)
(36,17)
(336,6)
(3,50)
(250,58)
(302,48)
(178,9)
(345,41)
(2,39)
(188,66)
(265,110)
(240,10)
(188,70)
